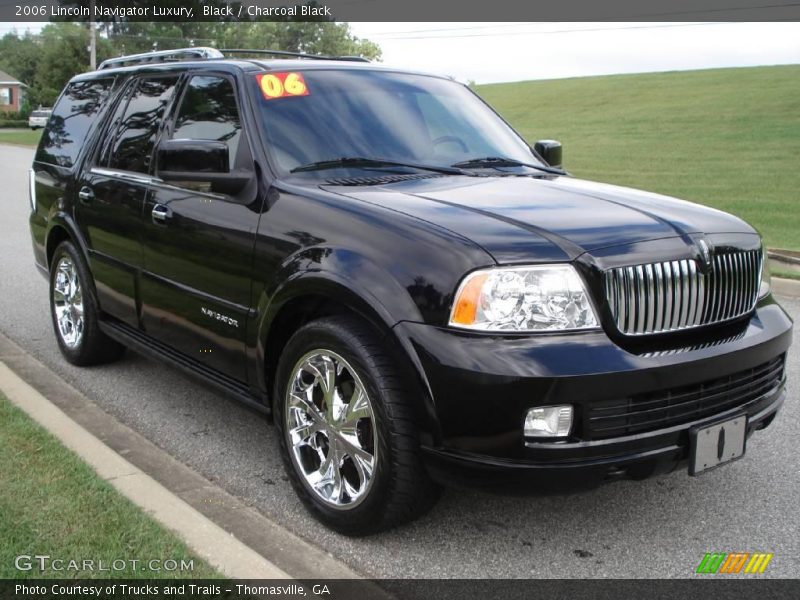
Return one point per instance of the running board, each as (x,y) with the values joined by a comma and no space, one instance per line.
(142,343)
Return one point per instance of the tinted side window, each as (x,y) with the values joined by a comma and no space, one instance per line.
(209,112)
(134,138)
(71,121)
(113,122)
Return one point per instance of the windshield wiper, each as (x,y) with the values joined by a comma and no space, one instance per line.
(360,161)
(501,161)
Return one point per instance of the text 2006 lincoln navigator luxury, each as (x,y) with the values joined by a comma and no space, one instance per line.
(416,295)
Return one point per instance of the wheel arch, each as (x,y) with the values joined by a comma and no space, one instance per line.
(62,228)
(312,295)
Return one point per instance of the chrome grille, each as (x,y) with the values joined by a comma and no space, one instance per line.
(674,295)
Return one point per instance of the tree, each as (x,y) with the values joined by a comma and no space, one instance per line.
(47,60)
(318,37)
(19,55)
(62,54)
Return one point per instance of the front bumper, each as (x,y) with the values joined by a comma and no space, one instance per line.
(482,386)
(635,458)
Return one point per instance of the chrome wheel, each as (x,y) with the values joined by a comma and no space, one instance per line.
(68,302)
(330,429)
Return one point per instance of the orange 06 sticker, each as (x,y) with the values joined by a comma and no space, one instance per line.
(281,85)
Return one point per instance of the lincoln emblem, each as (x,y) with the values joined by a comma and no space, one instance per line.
(705,253)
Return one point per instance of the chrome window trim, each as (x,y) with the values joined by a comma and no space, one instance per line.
(127,175)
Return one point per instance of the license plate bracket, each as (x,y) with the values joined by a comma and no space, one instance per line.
(717,444)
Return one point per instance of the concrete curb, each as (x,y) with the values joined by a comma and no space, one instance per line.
(207,539)
(786,287)
(236,539)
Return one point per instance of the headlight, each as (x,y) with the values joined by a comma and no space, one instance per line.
(536,298)
(765,275)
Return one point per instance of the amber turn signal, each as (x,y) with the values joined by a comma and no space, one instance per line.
(465,307)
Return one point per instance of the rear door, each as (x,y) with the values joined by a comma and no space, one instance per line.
(60,154)
(113,191)
(198,245)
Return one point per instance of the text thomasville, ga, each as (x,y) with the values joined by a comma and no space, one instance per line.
(184,12)
(109,588)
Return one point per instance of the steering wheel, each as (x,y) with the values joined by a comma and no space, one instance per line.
(444,139)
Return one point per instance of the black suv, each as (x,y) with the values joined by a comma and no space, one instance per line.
(417,296)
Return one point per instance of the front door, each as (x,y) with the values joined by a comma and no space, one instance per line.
(198,244)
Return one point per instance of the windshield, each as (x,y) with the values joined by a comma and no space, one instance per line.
(371,114)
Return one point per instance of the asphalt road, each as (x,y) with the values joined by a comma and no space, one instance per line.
(655,528)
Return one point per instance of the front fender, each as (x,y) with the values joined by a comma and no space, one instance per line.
(348,275)
(352,280)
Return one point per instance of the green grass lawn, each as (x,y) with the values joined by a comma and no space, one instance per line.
(20,137)
(784,273)
(728,138)
(52,503)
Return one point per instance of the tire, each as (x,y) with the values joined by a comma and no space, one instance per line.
(73,309)
(398,489)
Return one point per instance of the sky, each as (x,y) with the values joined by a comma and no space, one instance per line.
(495,52)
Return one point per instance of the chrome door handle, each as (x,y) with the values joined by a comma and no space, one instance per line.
(161,213)
(86,195)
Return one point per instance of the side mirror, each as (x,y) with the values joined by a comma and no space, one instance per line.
(200,161)
(550,151)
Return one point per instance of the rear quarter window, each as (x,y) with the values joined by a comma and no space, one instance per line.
(73,117)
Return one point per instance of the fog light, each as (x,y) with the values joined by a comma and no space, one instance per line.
(548,421)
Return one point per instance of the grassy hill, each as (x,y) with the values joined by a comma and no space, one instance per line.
(728,138)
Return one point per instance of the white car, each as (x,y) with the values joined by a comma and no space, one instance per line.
(39,118)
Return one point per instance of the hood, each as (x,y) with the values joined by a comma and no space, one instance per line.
(555,218)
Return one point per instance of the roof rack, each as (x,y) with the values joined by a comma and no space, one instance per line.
(161,56)
(201,53)
(293,54)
